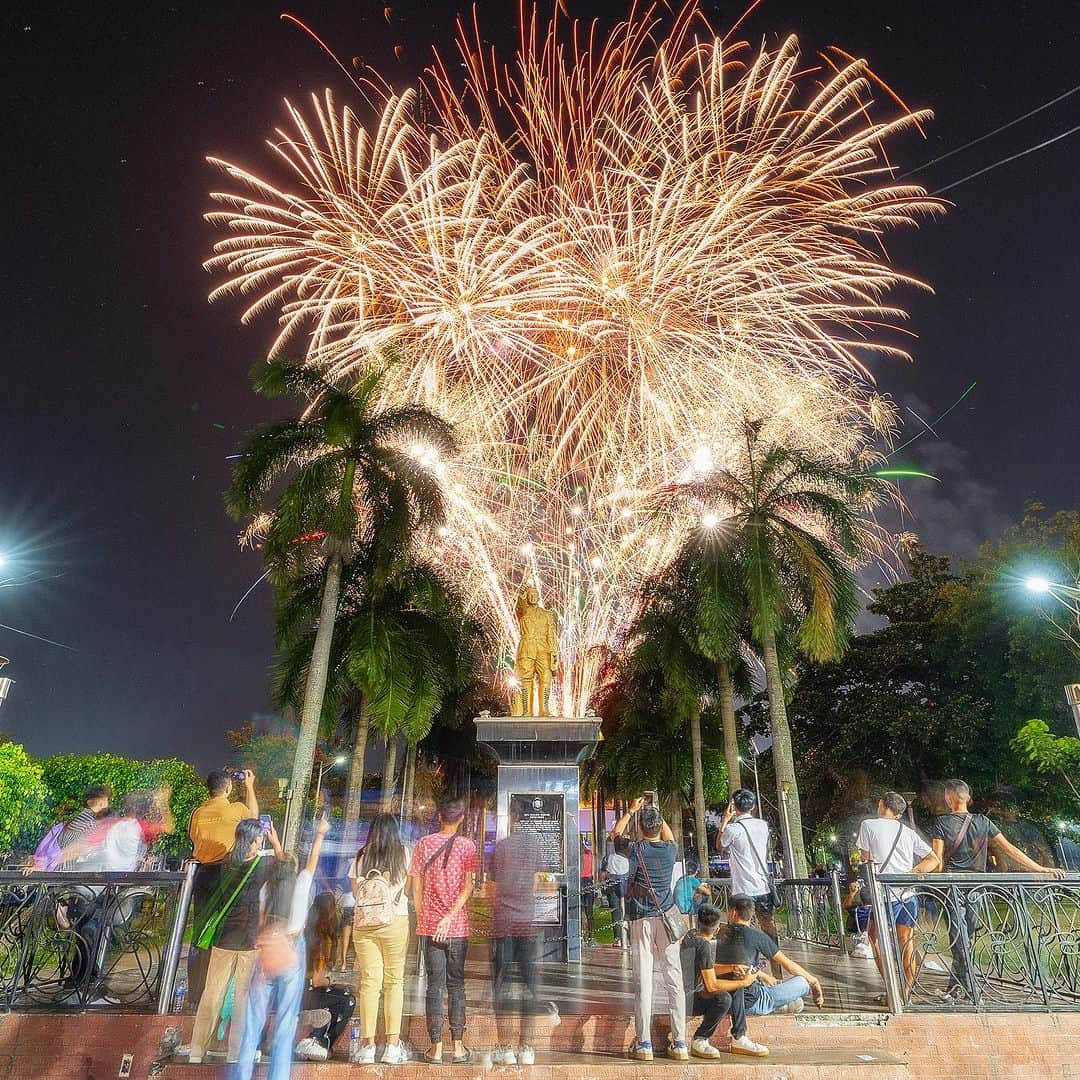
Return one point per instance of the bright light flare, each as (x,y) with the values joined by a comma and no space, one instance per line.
(1037,584)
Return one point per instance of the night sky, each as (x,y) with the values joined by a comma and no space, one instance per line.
(124,390)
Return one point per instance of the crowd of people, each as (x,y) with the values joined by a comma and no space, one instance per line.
(267,936)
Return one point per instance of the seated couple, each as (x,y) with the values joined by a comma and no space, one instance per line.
(720,978)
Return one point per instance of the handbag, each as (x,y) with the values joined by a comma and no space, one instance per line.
(673,922)
(208,934)
(774,893)
(865,899)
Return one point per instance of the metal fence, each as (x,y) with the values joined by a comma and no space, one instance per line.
(980,942)
(811,909)
(77,941)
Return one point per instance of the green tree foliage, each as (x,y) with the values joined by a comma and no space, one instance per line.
(794,526)
(961,661)
(67,776)
(1055,755)
(342,472)
(23,798)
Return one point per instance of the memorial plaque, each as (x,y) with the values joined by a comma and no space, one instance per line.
(542,817)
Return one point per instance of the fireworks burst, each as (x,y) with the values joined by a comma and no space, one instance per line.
(597,262)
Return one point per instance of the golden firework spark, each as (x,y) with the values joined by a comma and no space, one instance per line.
(597,261)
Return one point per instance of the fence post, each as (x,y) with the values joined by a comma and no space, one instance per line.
(838,907)
(890,960)
(176,941)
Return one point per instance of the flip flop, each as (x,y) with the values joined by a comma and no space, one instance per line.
(464,1059)
(432,1060)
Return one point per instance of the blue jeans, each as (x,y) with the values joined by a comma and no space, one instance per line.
(762,1000)
(283,995)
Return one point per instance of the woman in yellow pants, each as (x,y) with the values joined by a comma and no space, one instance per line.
(381,935)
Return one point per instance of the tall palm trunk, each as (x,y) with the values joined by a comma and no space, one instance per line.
(410,781)
(675,817)
(355,790)
(787,789)
(314,692)
(727,718)
(700,832)
(389,784)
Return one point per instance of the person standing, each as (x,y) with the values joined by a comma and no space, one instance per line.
(896,848)
(588,890)
(961,841)
(745,840)
(379,874)
(516,865)
(652,863)
(278,982)
(212,829)
(442,872)
(710,996)
(614,871)
(228,926)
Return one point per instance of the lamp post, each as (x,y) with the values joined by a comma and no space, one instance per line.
(338,759)
(754,757)
(5,683)
(1069,597)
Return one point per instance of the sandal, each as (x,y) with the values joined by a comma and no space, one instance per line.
(464,1059)
(432,1060)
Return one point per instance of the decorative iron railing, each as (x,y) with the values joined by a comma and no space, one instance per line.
(811,909)
(980,942)
(78,941)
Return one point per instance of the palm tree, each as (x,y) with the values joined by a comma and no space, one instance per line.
(796,526)
(665,645)
(347,475)
(710,580)
(402,643)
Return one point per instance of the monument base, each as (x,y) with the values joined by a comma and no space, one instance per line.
(539,761)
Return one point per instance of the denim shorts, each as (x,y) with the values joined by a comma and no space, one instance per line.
(905,912)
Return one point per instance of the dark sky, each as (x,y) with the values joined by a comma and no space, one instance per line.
(123,390)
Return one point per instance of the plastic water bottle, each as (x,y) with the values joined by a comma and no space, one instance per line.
(179,997)
(354,1040)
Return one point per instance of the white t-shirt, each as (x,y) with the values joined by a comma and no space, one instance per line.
(877,835)
(401,907)
(748,877)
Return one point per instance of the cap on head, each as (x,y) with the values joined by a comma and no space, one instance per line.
(744,800)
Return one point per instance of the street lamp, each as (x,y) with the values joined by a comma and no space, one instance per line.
(1069,597)
(339,759)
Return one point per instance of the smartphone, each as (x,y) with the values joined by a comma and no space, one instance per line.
(650,798)
(264,823)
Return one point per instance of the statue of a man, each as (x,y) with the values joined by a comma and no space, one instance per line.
(537,654)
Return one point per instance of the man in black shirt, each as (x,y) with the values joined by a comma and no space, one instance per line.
(961,841)
(709,996)
(740,944)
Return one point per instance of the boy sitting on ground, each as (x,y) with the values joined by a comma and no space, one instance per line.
(710,996)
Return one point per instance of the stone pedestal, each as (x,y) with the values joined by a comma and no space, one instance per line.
(539,759)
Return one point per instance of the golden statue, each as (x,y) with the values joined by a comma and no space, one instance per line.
(537,654)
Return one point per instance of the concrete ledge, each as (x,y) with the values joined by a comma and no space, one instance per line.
(1029,1046)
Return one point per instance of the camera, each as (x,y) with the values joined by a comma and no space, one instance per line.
(236,775)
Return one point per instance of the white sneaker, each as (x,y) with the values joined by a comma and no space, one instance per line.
(394,1054)
(526,1056)
(503,1055)
(745,1045)
(365,1055)
(310,1049)
(702,1048)
(792,1008)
